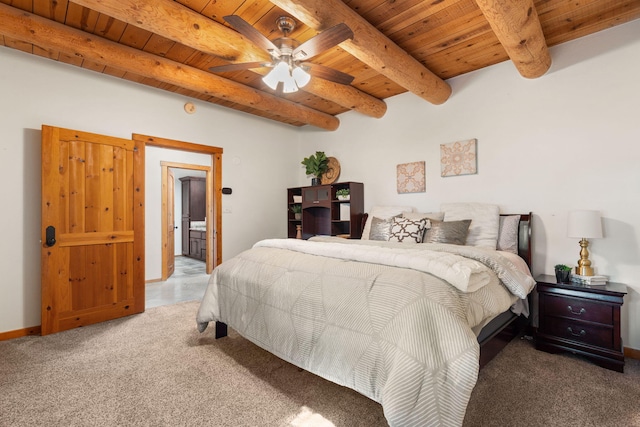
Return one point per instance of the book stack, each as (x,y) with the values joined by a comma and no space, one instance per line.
(589,280)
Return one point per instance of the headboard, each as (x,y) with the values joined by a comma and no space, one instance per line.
(524,237)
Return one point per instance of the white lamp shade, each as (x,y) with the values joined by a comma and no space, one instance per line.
(301,76)
(289,85)
(271,80)
(584,224)
(279,74)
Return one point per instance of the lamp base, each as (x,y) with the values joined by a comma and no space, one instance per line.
(584,265)
(584,271)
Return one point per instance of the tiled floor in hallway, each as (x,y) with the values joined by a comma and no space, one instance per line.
(187,283)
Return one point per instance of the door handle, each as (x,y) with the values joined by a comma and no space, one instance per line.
(50,236)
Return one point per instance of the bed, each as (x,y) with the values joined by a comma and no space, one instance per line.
(407,325)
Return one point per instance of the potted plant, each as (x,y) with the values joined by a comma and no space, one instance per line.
(316,164)
(342,194)
(563,273)
(297,211)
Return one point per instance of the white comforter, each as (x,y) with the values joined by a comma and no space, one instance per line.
(392,321)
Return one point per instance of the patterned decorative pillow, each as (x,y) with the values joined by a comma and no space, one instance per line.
(508,234)
(452,232)
(406,230)
(381,228)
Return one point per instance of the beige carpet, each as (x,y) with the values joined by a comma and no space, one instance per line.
(155,369)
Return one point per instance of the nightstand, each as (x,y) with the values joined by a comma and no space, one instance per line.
(581,319)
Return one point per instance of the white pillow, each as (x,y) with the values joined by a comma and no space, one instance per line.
(485,221)
(436,216)
(382,212)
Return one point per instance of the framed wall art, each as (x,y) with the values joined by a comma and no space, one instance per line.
(411,178)
(459,158)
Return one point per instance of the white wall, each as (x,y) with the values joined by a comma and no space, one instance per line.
(567,140)
(36,91)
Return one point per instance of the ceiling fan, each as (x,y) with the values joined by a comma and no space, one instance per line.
(288,56)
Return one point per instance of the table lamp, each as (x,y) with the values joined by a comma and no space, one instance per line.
(584,225)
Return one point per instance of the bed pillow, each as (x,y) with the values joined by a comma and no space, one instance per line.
(405,230)
(382,212)
(437,216)
(508,234)
(381,228)
(452,232)
(485,221)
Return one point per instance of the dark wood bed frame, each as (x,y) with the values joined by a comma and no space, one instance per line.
(501,330)
(506,326)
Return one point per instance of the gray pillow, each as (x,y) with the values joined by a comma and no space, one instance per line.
(508,234)
(380,228)
(452,232)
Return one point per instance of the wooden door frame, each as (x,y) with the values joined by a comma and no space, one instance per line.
(213,196)
(171,230)
(165,217)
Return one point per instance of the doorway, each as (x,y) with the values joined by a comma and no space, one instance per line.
(184,278)
(158,247)
(172,177)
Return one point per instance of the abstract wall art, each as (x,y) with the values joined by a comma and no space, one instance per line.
(458,158)
(411,178)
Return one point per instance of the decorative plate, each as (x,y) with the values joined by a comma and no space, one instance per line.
(332,173)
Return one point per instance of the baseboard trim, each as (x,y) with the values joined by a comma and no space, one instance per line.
(632,353)
(34,330)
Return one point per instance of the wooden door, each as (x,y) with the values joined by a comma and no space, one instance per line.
(171,223)
(93,197)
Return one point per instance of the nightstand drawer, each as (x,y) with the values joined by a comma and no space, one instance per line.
(580,309)
(586,333)
(582,320)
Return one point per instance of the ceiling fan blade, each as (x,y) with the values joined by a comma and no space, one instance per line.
(323,41)
(327,73)
(244,28)
(238,67)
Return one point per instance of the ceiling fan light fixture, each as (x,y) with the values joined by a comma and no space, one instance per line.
(301,76)
(287,54)
(271,80)
(289,85)
(279,73)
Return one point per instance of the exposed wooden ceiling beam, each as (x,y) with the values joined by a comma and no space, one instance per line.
(517,26)
(178,23)
(51,35)
(370,46)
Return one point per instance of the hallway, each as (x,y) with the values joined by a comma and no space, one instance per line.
(187,283)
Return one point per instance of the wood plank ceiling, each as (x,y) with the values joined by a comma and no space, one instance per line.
(398,46)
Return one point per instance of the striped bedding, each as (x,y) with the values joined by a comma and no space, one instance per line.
(394,322)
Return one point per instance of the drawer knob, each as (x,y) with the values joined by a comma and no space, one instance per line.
(578,313)
(580,334)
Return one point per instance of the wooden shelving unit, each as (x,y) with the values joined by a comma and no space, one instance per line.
(321,210)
